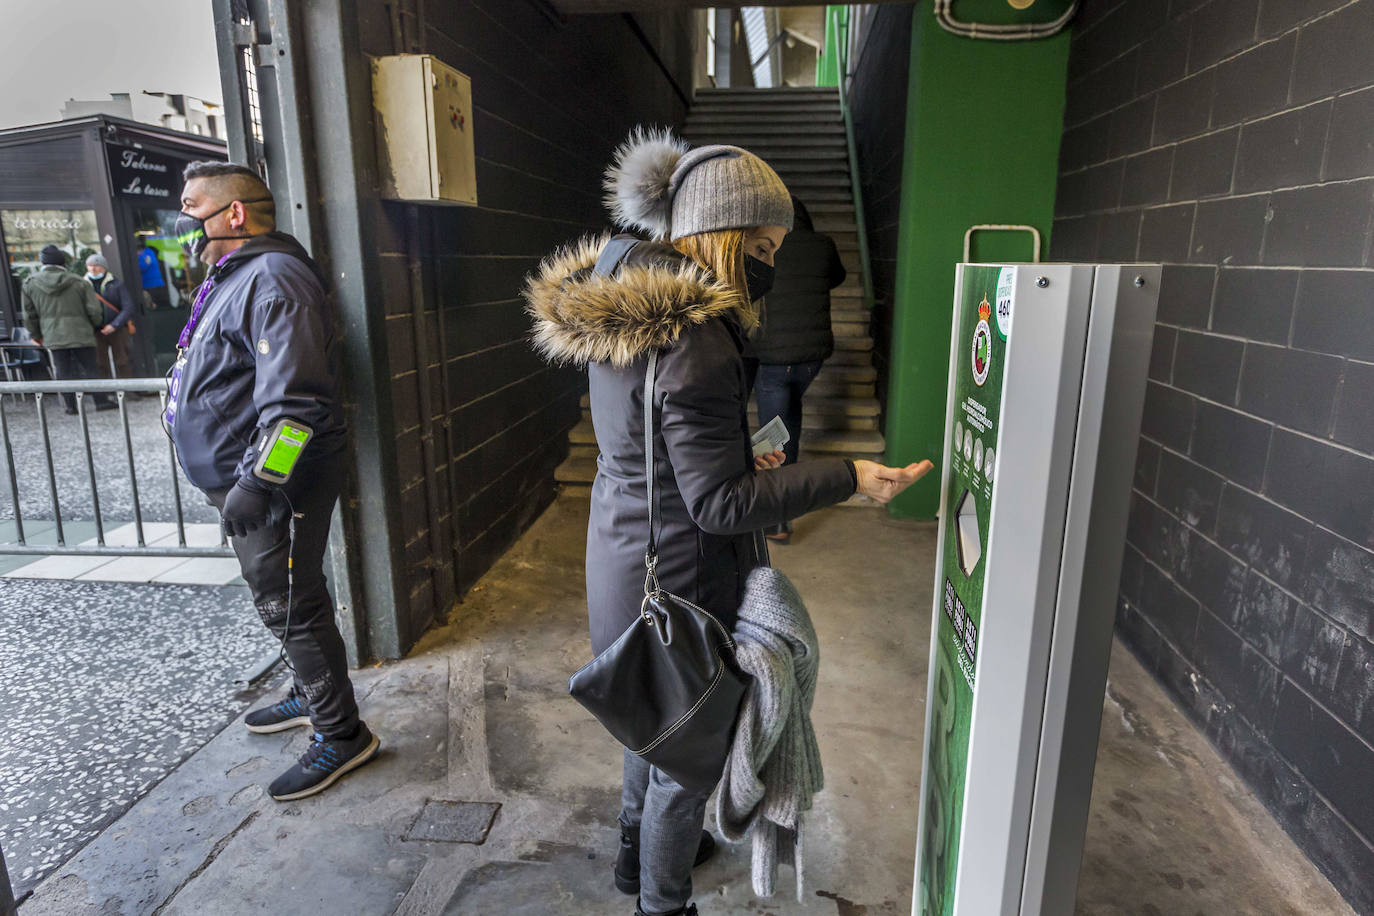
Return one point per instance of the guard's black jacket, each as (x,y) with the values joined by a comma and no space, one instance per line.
(712,498)
(266,347)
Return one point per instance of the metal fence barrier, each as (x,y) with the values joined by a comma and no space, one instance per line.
(121,389)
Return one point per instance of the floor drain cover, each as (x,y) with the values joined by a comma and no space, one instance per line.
(453,822)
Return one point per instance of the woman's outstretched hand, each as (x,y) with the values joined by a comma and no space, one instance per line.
(883,483)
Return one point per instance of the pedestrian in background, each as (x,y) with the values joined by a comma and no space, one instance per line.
(254,411)
(62,314)
(119,311)
(795,338)
(150,275)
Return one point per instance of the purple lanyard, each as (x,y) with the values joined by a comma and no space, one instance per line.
(198,306)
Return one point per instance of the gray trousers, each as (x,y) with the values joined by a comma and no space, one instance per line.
(77,363)
(669,819)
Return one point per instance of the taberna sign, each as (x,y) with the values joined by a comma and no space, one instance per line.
(137,173)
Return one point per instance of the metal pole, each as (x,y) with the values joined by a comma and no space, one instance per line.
(176,483)
(52,475)
(232,37)
(14,480)
(133,474)
(311,72)
(90,470)
(428,449)
(855,181)
(339,102)
(450,443)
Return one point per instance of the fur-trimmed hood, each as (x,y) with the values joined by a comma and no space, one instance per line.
(656,296)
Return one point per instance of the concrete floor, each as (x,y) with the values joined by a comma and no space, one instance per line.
(479,713)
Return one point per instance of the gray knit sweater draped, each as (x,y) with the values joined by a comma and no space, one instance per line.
(774,766)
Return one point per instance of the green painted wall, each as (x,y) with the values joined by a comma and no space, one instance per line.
(828,66)
(984,120)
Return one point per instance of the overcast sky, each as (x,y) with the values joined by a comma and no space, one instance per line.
(85,49)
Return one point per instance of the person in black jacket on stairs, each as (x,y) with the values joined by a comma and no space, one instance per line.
(795,338)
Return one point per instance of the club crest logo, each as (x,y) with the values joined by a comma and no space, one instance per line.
(982,343)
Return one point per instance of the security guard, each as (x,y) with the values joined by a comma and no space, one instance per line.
(253,409)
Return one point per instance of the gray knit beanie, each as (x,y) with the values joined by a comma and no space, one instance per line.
(97,260)
(660,185)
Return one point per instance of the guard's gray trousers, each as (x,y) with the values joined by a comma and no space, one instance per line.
(313,643)
(670,819)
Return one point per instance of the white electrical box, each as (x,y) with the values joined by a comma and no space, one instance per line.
(424,130)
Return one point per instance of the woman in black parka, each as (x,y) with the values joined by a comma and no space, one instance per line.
(715,216)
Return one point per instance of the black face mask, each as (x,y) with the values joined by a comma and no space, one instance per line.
(758,277)
(190,230)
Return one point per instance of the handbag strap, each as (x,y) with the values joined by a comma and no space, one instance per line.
(613,254)
(607,263)
(650,474)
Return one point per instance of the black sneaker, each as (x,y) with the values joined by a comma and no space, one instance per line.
(289,713)
(323,763)
(627,862)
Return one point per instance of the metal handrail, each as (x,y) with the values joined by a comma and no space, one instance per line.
(1001,227)
(120,388)
(855,182)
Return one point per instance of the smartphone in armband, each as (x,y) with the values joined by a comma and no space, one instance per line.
(280,449)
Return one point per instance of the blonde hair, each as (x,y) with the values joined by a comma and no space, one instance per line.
(721,251)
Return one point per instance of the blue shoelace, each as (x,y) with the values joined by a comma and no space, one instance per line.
(320,756)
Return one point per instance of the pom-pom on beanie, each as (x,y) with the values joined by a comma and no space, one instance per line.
(659,185)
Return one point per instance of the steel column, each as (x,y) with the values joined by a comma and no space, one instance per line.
(296,79)
(335,94)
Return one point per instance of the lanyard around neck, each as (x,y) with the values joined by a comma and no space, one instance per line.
(198,306)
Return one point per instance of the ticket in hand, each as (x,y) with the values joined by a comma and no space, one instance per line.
(771,438)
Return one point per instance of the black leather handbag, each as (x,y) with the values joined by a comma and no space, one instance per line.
(669,687)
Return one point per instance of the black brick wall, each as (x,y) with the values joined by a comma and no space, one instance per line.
(878,94)
(552,97)
(1233,140)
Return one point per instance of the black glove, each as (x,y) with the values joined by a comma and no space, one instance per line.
(248,508)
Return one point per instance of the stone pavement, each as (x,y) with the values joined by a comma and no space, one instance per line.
(104,690)
(479,713)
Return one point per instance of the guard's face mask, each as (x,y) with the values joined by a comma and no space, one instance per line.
(758,277)
(190,230)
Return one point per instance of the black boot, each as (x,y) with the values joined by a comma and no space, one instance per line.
(688,910)
(627,861)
